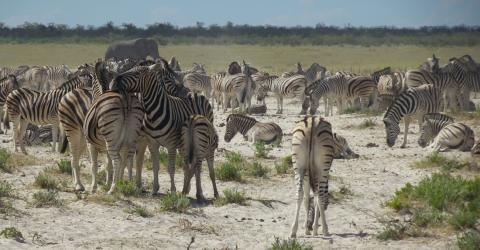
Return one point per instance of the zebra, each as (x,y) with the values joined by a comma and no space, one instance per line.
(445,82)
(341,148)
(389,87)
(282,87)
(432,124)
(331,88)
(113,124)
(312,156)
(72,110)
(199,140)
(164,114)
(20,70)
(252,130)
(174,65)
(431,65)
(445,133)
(257,109)
(468,77)
(237,86)
(313,73)
(7,85)
(198,83)
(25,105)
(413,102)
(35,78)
(56,75)
(476,150)
(196,68)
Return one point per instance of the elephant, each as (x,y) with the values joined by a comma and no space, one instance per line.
(137,49)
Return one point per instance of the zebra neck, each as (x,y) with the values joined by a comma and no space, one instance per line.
(244,125)
(400,108)
(71,84)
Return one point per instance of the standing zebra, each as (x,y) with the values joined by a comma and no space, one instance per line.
(29,106)
(313,73)
(198,83)
(445,133)
(237,86)
(413,102)
(445,82)
(389,87)
(56,75)
(35,78)
(341,148)
(312,156)
(164,114)
(113,123)
(7,85)
(199,140)
(331,88)
(252,130)
(72,110)
(282,87)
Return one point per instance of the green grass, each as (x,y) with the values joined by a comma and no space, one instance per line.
(4,155)
(284,165)
(437,160)
(341,194)
(11,233)
(440,199)
(46,199)
(228,172)
(257,170)
(261,150)
(217,57)
(175,202)
(127,188)
(64,166)
(46,181)
(140,211)
(399,231)
(6,189)
(231,196)
(289,244)
(469,241)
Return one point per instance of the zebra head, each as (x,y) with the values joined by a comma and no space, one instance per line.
(341,148)
(392,130)
(476,150)
(426,133)
(231,128)
(262,92)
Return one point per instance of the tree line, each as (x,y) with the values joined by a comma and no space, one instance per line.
(166,33)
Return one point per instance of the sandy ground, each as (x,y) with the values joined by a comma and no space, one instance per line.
(353,222)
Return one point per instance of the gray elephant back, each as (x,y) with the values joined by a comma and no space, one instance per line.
(137,49)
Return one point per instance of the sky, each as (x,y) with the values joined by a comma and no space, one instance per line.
(400,13)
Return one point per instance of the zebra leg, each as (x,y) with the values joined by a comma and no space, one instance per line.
(172,153)
(54,137)
(109,170)
(94,166)
(306,203)
(21,134)
(321,205)
(117,168)
(198,181)
(224,103)
(187,178)
(211,172)
(141,147)
(76,151)
(155,154)
(280,105)
(407,123)
(299,177)
(305,105)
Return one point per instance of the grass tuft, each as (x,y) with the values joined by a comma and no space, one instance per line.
(65,166)
(6,189)
(175,202)
(261,150)
(367,123)
(257,170)
(469,240)
(289,244)
(127,188)
(46,199)
(437,160)
(231,196)
(228,172)
(284,165)
(140,211)
(4,155)
(12,233)
(46,181)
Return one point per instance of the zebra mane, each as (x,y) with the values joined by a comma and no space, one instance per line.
(240,116)
(74,81)
(234,68)
(437,116)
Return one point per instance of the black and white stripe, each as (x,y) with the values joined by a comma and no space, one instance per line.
(252,130)
(431,126)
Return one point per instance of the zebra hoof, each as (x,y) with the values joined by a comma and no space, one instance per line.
(403,146)
(293,235)
(79,188)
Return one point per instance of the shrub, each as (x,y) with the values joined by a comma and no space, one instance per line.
(469,241)
(289,244)
(4,155)
(44,180)
(284,165)
(257,170)
(140,211)
(127,188)
(261,150)
(11,232)
(234,158)
(65,166)
(175,202)
(231,196)
(228,172)
(46,199)
(6,189)
(341,194)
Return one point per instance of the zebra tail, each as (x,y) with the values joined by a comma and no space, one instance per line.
(6,120)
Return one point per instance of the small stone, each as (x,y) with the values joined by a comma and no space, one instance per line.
(243,218)
(226,216)
(70,239)
(261,220)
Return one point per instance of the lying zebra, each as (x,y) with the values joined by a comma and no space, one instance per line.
(252,130)
(445,133)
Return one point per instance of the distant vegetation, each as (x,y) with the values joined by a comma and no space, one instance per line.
(166,33)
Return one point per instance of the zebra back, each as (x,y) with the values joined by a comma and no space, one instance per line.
(238,123)
(433,123)
(199,139)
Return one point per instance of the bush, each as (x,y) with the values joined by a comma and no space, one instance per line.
(11,232)
(289,244)
(231,196)
(175,202)
(228,172)
(127,188)
(257,170)
(469,241)
(65,166)
(4,155)
(46,199)
(234,158)
(440,198)
(6,189)
(284,165)
(261,150)
(140,211)
(44,180)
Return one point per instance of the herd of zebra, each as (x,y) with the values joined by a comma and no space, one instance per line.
(121,107)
